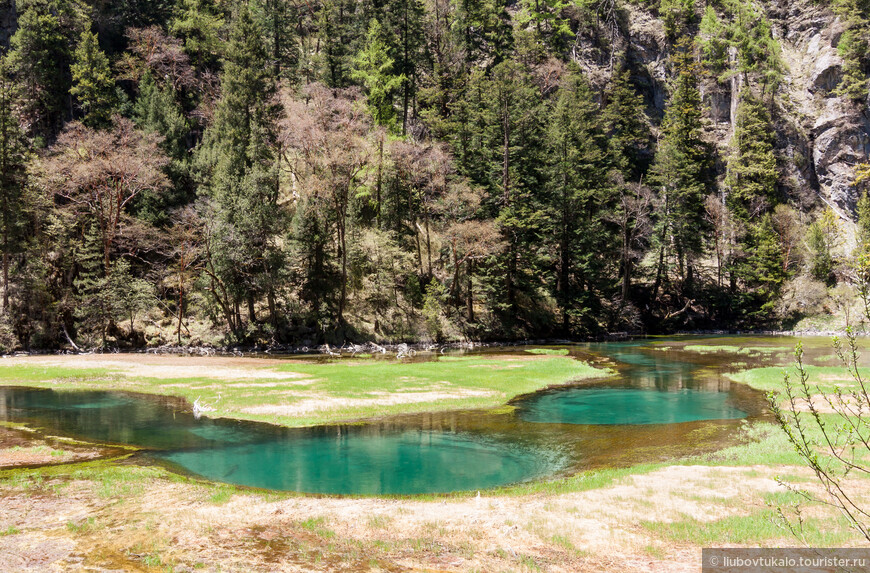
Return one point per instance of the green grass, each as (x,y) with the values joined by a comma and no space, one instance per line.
(548,351)
(317,526)
(450,383)
(24,373)
(585,481)
(821,378)
(757,527)
(707,349)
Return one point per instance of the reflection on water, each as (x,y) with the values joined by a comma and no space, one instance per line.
(403,462)
(661,404)
(613,406)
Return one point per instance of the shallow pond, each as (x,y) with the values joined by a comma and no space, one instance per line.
(662,402)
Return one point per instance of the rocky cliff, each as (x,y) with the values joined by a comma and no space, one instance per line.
(821,136)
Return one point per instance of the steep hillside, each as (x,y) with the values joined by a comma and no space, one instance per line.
(206,171)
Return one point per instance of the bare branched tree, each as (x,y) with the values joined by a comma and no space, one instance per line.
(830,431)
(100,172)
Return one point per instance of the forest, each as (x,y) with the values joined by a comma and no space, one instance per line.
(207,172)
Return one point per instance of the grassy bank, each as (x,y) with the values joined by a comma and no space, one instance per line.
(302,393)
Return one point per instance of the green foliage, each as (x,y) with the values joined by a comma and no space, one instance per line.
(275,18)
(199,24)
(157,111)
(758,52)
(433,301)
(682,166)
(94,310)
(863,212)
(625,125)
(576,204)
(13,176)
(337,38)
(677,16)
(713,40)
(833,445)
(752,170)
(510,137)
(853,48)
(93,83)
(239,157)
(484,30)
(40,56)
(374,69)
(127,295)
(746,28)
(550,21)
(761,270)
(822,237)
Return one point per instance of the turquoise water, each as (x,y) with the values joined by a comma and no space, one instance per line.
(404,462)
(653,388)
(616,406)
(659,404)
(342,459)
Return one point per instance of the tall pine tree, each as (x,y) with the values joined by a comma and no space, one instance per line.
(238,153)
(93,84)
(13,174)
(575,148)
(682,173)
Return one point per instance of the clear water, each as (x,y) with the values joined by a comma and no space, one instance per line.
(634,406)
(653,388)
(359,462)
(661,404)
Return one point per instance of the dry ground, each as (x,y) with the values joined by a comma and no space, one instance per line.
(104,517)
(169,525)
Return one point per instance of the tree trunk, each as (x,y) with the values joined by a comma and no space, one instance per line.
(343,246)
(659,268)
(5,271)
(252,315)
(469,300)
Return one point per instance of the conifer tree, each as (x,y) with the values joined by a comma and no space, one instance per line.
(275,18)
(682,171)
(13,175)
(40,56)
(576,202)
(625,125)
(93,84)
(199,23)
(752,172)
(157,111)
(762,271)
(406,19)
(853,46)
(511,140)
(335,42)
(94,308)
(238,153)
(550,21)
(676,16)
(374,69)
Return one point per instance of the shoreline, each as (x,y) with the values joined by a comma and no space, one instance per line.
(354,349)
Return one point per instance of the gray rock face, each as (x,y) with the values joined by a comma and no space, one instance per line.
(827,71)
(841,139)
(821,135)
